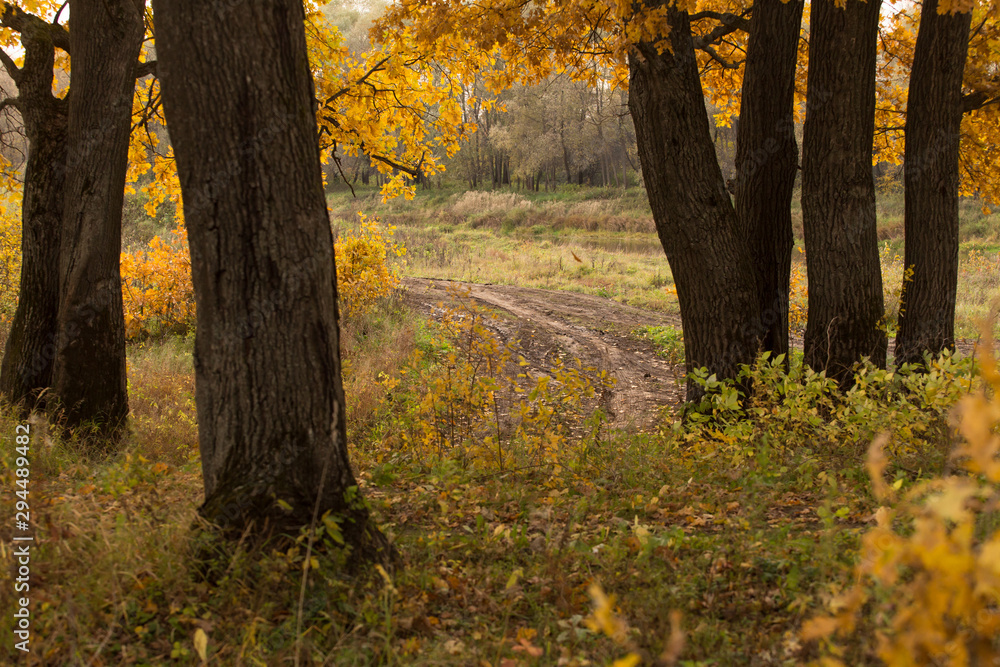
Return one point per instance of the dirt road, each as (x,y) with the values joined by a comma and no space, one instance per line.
(593,329)
(549,323)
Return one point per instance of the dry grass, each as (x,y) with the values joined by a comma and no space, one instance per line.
(479,202)
(161,399)
(374,346)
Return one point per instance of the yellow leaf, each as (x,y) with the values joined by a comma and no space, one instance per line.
(819,627)
(201,644)
(631,660)
(950,504)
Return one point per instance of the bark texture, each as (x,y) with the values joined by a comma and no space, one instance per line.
(89,372)
(238,96)
(838,191)
(767,159)
(930,173)
(30,350)
(694,216)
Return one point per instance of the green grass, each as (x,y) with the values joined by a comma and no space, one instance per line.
(668,341)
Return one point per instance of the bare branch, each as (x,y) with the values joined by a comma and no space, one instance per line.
(336,161)
(12,69)
(55,19)
(10,102)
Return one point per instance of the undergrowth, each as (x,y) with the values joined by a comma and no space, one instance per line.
(530,531)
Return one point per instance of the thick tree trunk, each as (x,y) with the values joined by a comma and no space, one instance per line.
(271,422)
(933,124)
(31,346)
(692,211)
(838,191)
(767,159)
(89,372)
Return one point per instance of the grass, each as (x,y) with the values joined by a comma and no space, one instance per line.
(746,539)
(603,242)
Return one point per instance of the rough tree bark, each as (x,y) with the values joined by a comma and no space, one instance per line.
(30,350)
(238,97)
(767,159)
(838,191)
(694,216)
(930,172)
(89,371)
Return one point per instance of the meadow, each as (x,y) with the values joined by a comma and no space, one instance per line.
(603,241)
(531,529)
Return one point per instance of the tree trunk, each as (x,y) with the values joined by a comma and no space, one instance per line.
(89,371)
(31,346)
(767,159)
(838,191)
(692,211)
(933,125)
(238,96)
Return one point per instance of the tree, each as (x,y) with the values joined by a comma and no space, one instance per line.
(933,124)
(767,159)
(88,376)
(67,331)
(238,97)
(694,216)
(28,357)
(838,190)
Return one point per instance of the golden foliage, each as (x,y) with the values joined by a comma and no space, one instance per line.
(156,287)
(933,558)
(159,297)
(365,273)
(10,254)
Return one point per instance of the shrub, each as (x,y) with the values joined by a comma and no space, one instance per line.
(930,567)
(364,270)
(159,297)
(10,254)
(473,402)
(156,287)
(894,274)
(798,297)
(802,409)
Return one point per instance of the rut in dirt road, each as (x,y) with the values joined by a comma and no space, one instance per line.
(592,329)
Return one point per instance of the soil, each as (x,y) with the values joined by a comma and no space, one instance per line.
(549,324)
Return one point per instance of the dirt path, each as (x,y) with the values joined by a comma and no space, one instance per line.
(593,329)
(551,324)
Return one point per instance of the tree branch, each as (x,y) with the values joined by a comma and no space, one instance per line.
(707,48)
(145,69)
(12,69)
(55,19)
(10,102)
(375,68)
(15,18)
(336,161)
(412,171)
(726,19)
(978,100)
